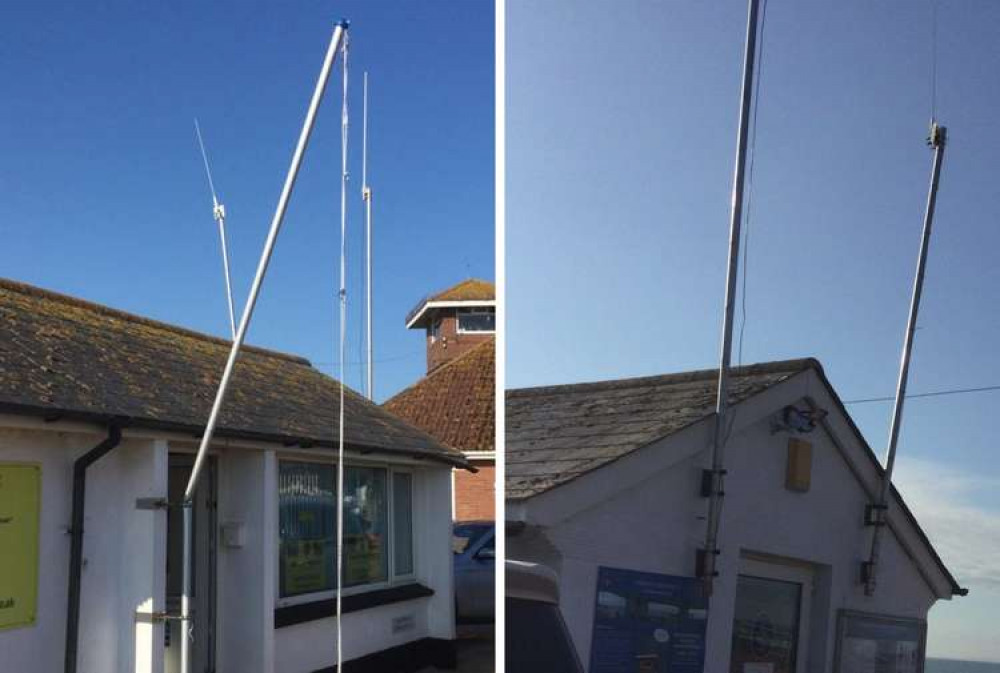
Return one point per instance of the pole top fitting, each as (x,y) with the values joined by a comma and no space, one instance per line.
(343,23)
(937,136)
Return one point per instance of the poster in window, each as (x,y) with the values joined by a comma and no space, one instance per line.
(305,567)
(20,499)
(648,623)
(870,643)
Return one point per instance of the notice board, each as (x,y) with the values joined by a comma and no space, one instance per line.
(648,623)
(20,500)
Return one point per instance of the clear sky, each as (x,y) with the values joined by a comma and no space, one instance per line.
(103,194)
(621,129)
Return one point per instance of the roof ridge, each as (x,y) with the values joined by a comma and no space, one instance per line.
(102,309)
(431,374)
(773,366)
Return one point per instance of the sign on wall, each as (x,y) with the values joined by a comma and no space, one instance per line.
(20,498)
(648,623)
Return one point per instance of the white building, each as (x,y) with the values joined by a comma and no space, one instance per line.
(604,481)
(100,414)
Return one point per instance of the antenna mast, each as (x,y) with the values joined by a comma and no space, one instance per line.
(366,196)
(707,557)
(187,631)
(219,213)
(875,514)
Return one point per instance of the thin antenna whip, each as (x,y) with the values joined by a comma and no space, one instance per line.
(366,196)
(219,213)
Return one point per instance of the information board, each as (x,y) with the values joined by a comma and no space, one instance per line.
(20,496)
(648,623)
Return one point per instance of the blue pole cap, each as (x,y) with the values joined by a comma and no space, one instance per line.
(344,23)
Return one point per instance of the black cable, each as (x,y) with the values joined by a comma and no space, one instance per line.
(936,393)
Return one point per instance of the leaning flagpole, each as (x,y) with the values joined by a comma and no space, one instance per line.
(708,556)
(339,32)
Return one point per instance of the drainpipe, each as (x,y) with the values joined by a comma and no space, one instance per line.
(76,540)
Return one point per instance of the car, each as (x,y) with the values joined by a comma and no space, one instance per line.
(537,640)
(473,543)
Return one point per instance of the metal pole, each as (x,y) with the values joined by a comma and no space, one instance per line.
(711,551)
(221,218)
(219,213)
(878,512)
(342,358)
(366,196)
(279,215)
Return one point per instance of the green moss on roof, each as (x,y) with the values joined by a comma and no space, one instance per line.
(62,356)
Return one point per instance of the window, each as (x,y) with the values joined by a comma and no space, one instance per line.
(307,515)
(435,330)
(464,535)
(476,320)
(766,624)
(307,521)
(365,526)
(402,522)
(879,643)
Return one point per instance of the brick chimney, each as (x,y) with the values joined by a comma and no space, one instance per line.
(455,320)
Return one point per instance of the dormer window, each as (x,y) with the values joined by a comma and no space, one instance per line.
(476,320)
(435,330)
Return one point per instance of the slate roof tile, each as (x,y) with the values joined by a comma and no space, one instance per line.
(62,356)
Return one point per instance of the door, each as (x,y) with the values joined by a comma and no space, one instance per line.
(203,576)
(771,619)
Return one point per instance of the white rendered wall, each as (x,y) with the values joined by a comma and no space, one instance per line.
(246,576)
(39,648)
(123,555)
(306,647)
(645,514)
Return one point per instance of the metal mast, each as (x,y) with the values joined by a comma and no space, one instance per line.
(219,213)
(343,355)
(366,196)
(875,514)
(708,555)
(339,32)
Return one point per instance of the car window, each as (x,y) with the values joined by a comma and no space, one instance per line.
(466,535)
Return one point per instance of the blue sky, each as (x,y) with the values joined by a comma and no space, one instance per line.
(621,126)
(103,195)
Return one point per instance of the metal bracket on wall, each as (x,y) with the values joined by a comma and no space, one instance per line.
(156,617)
(710,483)
(154,503)
(702,560)
(875,514)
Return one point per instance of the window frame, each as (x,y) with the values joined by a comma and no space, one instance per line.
(392,580)
(474,311)
(844,614)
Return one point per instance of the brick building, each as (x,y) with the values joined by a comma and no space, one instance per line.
(455,401)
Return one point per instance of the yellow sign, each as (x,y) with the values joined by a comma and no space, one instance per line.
(20,497)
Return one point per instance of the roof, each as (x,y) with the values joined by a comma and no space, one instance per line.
(456,403)
(63,357)
(470,292)
(555,434)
